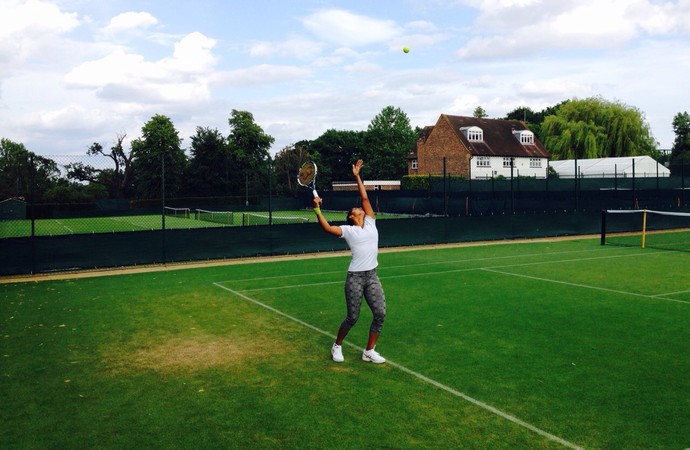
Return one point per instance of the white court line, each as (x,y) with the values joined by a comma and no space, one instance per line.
(65,226)
(421,274)
(417,375)
(671,293)
(488,258)
(584,286)
(430,263)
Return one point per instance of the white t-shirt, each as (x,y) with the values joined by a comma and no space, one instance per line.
(364,243)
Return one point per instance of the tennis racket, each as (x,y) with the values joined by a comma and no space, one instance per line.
(307,176)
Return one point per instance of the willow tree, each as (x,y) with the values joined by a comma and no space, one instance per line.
(596,128)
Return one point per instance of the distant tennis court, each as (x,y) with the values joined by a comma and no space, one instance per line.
(543,344)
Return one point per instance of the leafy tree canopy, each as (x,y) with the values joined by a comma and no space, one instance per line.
(160,140)
(16,176)
(248,147)
(596,128)
(389,139)
(334,153)
(210,170)
(680,152)
(479,113)
(286,165)
(117,181)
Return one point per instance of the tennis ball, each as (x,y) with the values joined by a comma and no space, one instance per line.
(406,49)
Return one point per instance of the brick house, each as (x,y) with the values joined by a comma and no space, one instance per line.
(478,148)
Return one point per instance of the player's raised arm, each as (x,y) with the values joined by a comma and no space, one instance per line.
(327,227)
(366,204)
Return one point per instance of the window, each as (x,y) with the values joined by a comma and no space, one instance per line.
(535,162)
(507,162)
(525,137)
(414,164)
(483,161)
(473,134)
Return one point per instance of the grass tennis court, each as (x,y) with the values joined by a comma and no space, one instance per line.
(125,223)
(544,344)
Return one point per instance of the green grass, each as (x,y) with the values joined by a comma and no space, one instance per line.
(115,224)
(570,342)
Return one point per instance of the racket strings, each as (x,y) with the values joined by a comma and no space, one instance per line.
(306,174)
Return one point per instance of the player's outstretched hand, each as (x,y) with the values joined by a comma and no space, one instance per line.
(357,167)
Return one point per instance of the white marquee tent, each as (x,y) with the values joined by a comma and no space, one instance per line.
(622,167)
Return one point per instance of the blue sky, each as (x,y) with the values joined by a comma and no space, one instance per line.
(75,72)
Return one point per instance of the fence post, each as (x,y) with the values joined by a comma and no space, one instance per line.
(32,200)
(270,209)
(512,192)
(445,192)
(634,195)
(682,181)
(164,253)
(577,193)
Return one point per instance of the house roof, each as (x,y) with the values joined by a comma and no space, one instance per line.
(499,139)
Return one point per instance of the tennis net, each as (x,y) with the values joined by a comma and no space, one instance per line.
(270,219)
(646,229)
(224,217)
(177,212)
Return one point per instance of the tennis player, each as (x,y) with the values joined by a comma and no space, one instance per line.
(362,280)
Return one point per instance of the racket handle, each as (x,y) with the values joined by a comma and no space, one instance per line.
(315,193)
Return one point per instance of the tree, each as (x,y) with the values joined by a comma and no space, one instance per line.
(479,113)
(209,171)
(680,152)
(596,128)
(286,164)
(249,147)
(16,175)
(117,180)
(334,153)
(159,140)
(64,191)
(389,139)
(533,120)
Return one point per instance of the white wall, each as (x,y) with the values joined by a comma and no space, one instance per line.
(521,168)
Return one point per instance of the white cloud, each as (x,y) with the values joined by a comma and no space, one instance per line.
(262,74)
(347,29)
(507,28)
(65,83)
(299,48)
(29,28)
(129,21)
(66,118)
(193,53)
(128,77)
(34,17)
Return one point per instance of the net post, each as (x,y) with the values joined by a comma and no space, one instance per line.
(644,226)
(603,227)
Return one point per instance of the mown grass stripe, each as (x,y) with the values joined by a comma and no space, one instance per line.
(417,375)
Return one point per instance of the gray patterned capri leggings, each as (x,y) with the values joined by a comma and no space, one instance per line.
(364,284)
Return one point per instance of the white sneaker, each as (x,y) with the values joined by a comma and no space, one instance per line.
(373,356)
(337,353)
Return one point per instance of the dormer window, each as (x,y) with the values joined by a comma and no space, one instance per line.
(525,137)
(473,134)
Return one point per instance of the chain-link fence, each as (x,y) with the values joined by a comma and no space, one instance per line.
(76,212)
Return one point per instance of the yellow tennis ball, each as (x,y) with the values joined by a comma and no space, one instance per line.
(406,49)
